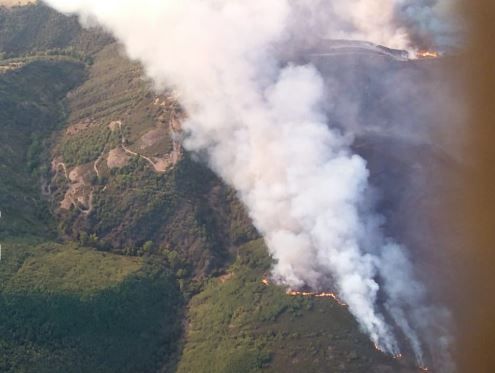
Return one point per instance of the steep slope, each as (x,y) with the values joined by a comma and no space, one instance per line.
(30,109)
(66,308)
(129,181)
(240,324)
(37,28)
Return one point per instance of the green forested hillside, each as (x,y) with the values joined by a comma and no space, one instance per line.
(74,306)
(36,27)
(30,110)
(63,307)
(185,207)
(239,324)
(69,309)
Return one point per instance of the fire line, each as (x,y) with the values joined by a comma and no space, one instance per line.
(427,54)
(294,293)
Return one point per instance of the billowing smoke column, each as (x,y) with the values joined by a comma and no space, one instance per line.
(261,124)
(429,23)
(403,24)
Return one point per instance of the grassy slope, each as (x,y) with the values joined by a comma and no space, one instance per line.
(66,309)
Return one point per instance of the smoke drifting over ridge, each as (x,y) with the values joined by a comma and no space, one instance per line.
(430,24)
(261,121)
(402,24)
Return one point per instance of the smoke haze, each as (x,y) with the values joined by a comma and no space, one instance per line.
(402,24)
(262,123)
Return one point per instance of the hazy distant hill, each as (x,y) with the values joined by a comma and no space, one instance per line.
(36,27)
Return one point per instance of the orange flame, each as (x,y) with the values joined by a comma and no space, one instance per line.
(397,356)
(294,293)
(378,348)
(427,54)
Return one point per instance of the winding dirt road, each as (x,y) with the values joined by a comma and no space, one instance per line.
(171,159)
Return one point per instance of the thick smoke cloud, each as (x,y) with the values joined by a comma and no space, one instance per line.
(364,20)
(411,25)
(429,23)
(263,126)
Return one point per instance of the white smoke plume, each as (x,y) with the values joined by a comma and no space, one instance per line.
(363,20)
(262,124)
(410,25)
(430,23)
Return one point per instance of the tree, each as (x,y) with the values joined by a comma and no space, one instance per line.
(147,248)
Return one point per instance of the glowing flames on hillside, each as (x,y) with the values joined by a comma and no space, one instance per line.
(427,54)
(398,357)
(294,293)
